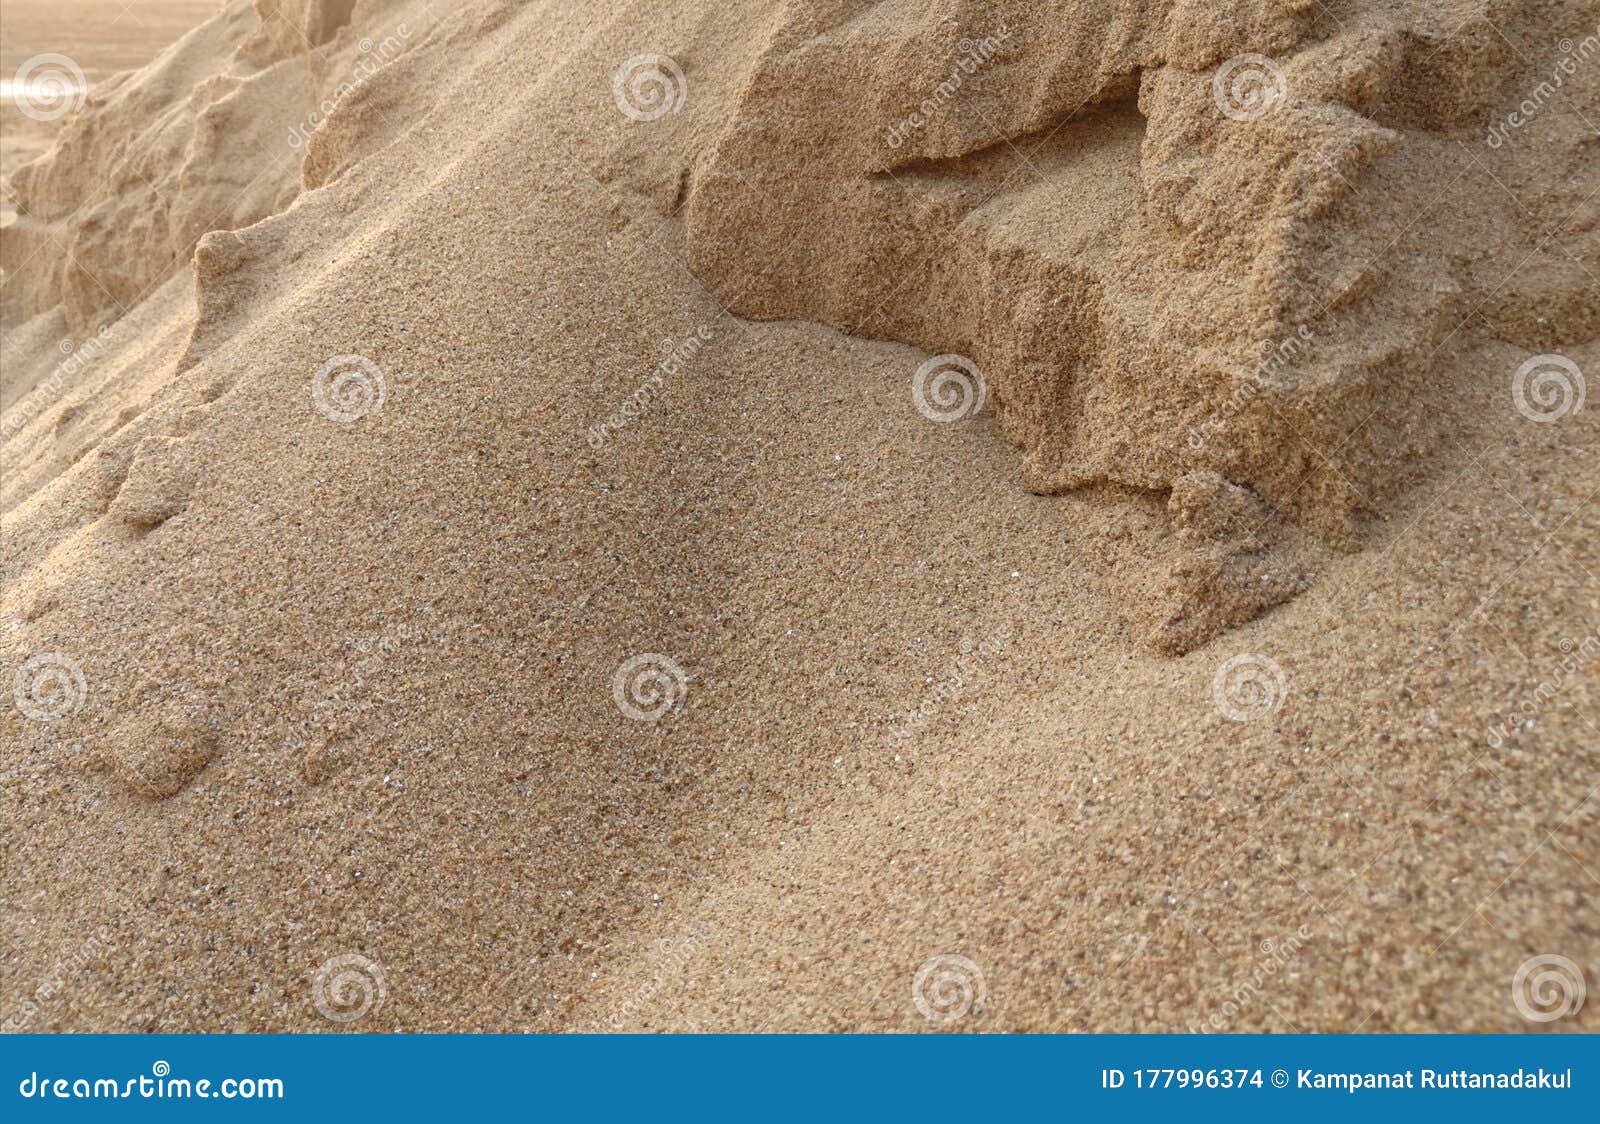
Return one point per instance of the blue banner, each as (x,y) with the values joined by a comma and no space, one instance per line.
(798,1078)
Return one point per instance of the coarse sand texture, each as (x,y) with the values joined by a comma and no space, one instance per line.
(854,515)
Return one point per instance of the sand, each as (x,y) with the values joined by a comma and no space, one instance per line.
(103,36)
(497,534)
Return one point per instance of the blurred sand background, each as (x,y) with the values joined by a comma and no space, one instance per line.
(102,36)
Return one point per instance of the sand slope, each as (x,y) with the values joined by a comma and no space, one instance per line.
(348,627)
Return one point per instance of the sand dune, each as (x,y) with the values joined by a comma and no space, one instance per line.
(829,516)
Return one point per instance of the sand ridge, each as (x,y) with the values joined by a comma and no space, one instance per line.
(1145,741)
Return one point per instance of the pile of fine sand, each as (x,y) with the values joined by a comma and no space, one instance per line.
(844,515)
